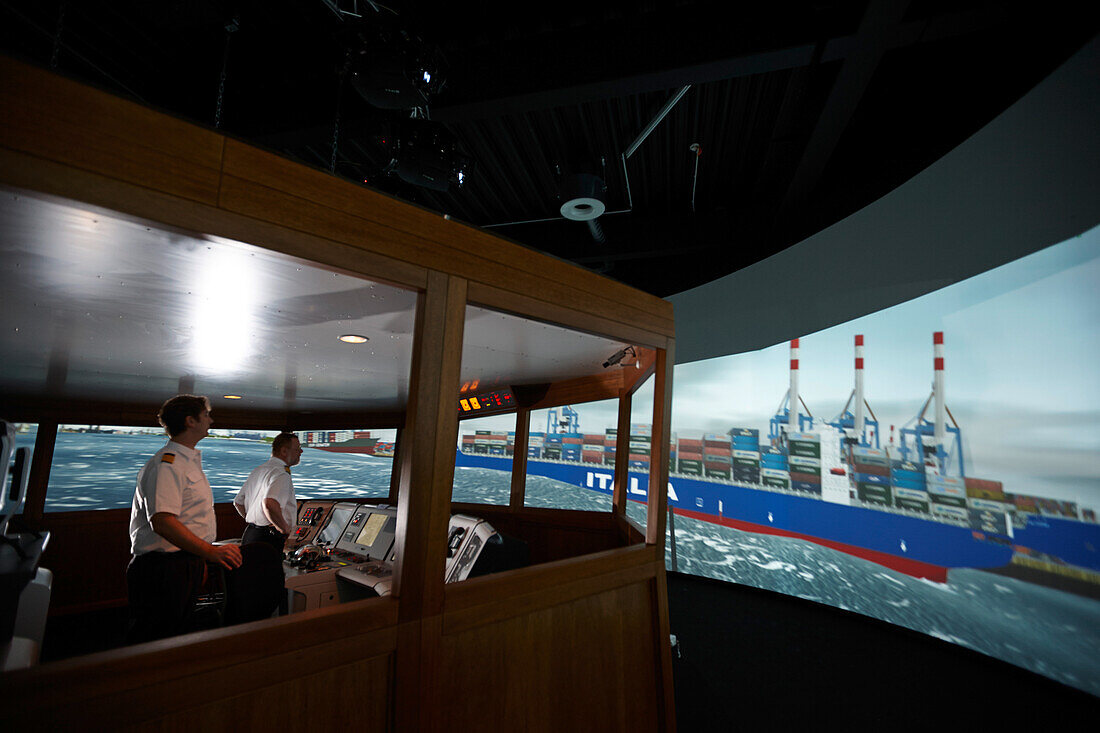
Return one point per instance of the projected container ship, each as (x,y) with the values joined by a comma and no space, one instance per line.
(909,506)
(344,441)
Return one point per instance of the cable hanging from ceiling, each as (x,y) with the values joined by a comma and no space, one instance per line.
(230,28)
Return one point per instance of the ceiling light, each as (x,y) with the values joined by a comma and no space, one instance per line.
(231,397)
(353,338)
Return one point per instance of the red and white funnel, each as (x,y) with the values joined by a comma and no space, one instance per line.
(937,390)
(859,388)
(792,413)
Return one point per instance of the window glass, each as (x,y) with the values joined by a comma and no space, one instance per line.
(483,463)
(571,456)
(342,463)
(641,431)
(96,466)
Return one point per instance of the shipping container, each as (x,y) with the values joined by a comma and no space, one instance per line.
(914,505)
(718,473)
(809,450)
(590,456)
(915,494)
(873,496)
(806,486)
(870,468)
(691,468)
(942,500)
(753,454)
(805,463)
(870,478)
(775,473)
(744,433)
(778,483)
(805,478)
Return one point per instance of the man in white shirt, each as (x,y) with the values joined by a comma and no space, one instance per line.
(266,501)
(172,525)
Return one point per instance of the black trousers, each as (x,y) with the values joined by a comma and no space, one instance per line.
(267,534)
(164,586)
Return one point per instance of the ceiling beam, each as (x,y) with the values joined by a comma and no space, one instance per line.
(872,40)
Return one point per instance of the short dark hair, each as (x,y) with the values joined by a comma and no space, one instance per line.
(173,414)
(282,440)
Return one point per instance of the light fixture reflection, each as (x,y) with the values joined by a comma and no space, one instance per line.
(226,295)
(231,397)
(353,338)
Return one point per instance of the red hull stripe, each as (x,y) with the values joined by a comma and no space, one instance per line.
(915,568)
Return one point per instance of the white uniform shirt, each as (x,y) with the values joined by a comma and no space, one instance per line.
(269,480)
(172,482)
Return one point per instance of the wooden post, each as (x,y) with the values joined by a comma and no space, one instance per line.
(424,499)
(622,455)
(395,472)
(34,506)
(658,451)
(519,459)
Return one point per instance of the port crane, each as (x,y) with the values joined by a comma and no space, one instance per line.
(787,416)
(935,442)
(852,422)
(570,421)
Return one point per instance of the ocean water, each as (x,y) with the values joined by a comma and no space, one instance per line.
(1053,633)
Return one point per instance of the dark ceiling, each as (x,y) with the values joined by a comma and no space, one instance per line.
(805,112)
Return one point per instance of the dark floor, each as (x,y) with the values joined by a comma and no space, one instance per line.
(751,659)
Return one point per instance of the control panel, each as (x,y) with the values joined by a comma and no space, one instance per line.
(312,515)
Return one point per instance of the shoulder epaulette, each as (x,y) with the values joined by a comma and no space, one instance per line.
(168,458)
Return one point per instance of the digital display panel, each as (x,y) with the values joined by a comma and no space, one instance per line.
(374,524)
(335,526)
(483,403)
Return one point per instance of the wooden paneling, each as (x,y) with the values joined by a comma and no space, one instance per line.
(581,665)
(366,707)
(57,119)
(169,677)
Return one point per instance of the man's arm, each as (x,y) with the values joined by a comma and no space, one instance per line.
(240,507)
(274,513)
(171,528)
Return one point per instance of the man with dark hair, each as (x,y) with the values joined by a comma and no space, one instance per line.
(172,530)
(266,501)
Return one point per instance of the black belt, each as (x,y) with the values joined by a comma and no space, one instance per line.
(269,528)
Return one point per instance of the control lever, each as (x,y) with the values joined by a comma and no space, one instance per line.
(455,540)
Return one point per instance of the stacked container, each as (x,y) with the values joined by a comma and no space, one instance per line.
(775,468)
(609,442)
(551,449)
(717,456)
(640,445)
(745,444)
(871,474)
(804,459)
(571,447)
(909,485)
(535,441)
(689,455)
(989,507)
(947,494)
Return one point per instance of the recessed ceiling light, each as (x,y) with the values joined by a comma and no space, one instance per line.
(353,338)
(231,396)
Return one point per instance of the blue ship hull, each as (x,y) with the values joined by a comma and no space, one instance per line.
(919,547)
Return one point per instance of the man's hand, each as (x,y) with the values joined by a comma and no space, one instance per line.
(228,556)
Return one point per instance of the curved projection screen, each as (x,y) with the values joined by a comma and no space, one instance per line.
(984,534)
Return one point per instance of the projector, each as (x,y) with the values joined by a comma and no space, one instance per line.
(424,153)
(396,77)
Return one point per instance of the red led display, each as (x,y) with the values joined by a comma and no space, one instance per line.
(483,402)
